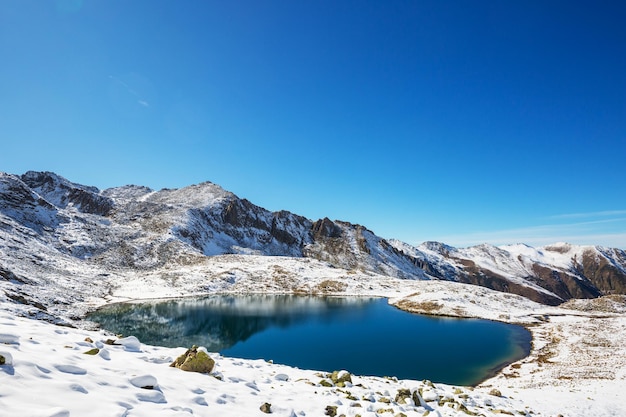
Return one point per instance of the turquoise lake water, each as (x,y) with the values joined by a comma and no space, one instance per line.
(365,336)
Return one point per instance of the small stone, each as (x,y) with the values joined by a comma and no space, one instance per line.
(428,383)
(326,383)
(266,408)
(340,378)
(331,410)
(464,409)
(430,395)
(402,395)
(93,351)
(130,343)
(104,354)
(148,382)
(495,392)
(88,340)
(417,398)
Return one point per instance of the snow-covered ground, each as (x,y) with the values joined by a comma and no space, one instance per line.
(577,366)
(48,374)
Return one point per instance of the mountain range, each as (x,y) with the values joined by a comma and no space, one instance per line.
(58,231)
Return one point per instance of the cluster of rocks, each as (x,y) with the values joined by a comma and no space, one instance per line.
(425,398)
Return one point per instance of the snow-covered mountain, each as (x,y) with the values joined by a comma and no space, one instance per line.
(548,274)
(54,230)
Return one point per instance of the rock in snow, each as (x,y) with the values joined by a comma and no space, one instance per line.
(194,360)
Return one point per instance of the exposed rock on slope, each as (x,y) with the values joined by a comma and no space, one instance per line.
(62,193)
(605,268)
(352,246)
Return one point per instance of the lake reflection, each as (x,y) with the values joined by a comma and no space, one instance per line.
(219,322)
(363,335)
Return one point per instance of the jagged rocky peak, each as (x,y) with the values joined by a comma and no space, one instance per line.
(201,195)
(215,221)
(242,213)
(50,182)
(14,193)
(489,250)
(438,247)
(326,228)
(127,192)
(63,193)
(290,228)
(560,247)
(19,202)
(486,247)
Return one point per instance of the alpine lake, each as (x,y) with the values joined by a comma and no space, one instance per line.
(365,336)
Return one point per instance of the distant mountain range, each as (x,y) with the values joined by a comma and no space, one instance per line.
(55,228)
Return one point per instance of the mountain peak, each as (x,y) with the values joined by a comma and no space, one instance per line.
(559,247)
(436,246)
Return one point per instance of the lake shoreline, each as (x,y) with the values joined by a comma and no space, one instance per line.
(207,320)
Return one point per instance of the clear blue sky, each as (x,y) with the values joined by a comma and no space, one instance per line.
(458,121)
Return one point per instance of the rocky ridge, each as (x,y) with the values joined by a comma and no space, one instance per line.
(54,230)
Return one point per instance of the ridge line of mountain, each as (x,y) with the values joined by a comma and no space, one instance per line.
(46,219)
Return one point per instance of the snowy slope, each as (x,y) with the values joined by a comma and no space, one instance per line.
(549,274)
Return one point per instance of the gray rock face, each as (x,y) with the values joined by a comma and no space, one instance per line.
(61,193)
(20,203)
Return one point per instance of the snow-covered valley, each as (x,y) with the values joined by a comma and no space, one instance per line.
(577,367)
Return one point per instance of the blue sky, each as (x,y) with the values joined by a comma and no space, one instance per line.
(458,121)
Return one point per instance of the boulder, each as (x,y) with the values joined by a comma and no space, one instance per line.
(194,360)
(266,408)
(331,410)
(340,378)
(403,395)
(495,392)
